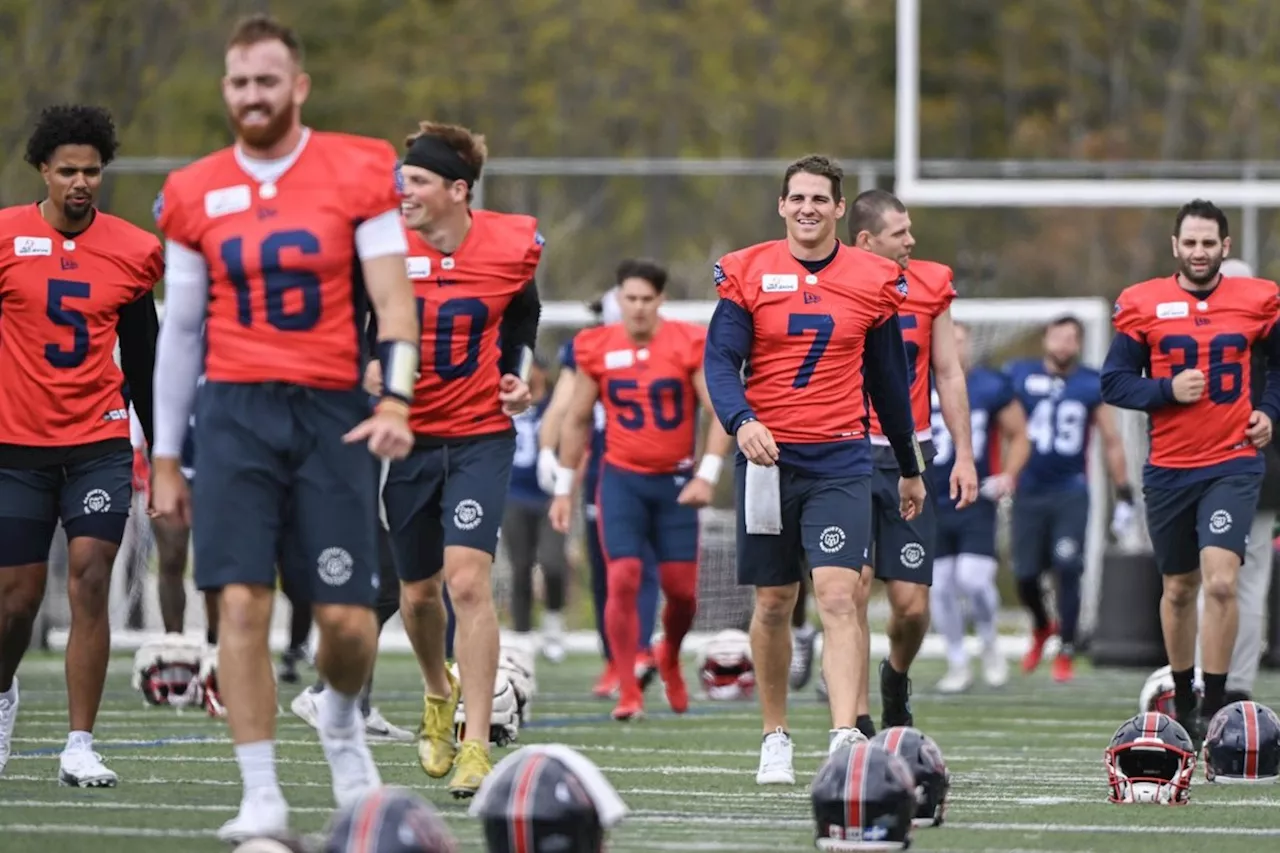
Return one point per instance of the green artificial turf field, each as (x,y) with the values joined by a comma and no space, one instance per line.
(1026,762)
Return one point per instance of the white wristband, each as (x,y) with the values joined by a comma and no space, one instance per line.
(564,481)
(709,468)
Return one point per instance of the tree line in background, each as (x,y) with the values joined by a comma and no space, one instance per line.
(1127,79)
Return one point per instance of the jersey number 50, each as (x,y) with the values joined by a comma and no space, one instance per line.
(276,280)
(664,394)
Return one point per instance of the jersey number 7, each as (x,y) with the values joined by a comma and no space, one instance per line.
(822,325)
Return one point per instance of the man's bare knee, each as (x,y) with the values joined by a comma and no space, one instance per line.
(345,625)
(89,566)
(910,602)
(467,575)
(1181,590)
(420,597)
(244,609)
(836,591)
(774,604)
(22,590)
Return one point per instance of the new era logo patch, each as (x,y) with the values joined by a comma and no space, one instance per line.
(811,298)
(68,264)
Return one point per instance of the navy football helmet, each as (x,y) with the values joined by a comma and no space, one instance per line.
(546,799)
(923,757)
(1150,760)
(864,798)
(1243,744)
(389,820)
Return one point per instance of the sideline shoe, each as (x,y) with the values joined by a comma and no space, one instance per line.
(436,746)
(775,760)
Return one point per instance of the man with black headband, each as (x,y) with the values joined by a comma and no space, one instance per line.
(262,242)
(473,272)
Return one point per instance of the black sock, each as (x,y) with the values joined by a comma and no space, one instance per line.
(211,635)
(1215,686)
(892,677)
(1032,597)
(865,725)
(1184,696)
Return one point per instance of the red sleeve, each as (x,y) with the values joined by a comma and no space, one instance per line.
(893,292)
(586,352)
(697,343)
(947,289)
(372,191)
(150,266)
(1128,316)
(1268,306)
(728,278)
(172,216)
(533,255)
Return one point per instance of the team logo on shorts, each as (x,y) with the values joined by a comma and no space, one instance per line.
(1065,548)
(97,500)
(467,514)
(335,566)
(1220,521)
(831,540)
(912,555)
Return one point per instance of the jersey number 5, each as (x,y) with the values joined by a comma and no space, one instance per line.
(277,281)
(1223,379)
(60,315)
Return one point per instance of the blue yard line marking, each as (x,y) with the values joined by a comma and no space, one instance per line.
(133,744)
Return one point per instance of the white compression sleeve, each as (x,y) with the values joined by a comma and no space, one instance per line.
(180,349)
(381,236)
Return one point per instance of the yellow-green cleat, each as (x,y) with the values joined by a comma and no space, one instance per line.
(436,747)
(470,768)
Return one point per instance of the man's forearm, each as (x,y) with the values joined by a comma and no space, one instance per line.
(953,398)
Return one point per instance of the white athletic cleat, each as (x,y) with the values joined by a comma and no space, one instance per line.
(553,648)
(775,760)
(351,763)
(82,768)
(262,814)
(8,717)
(995,668)
(844,737)
(957,680)
(377,726)
(306,707)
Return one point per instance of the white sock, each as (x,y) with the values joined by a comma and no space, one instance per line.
(804,632)
(944,602)
(257,766)
(552,623)
(337,711)
(80,741)
(977,577)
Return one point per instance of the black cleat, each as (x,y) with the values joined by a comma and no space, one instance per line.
(895,698)
(288,672)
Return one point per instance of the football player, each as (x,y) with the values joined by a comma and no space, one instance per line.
(606,685)
(1191,334)
(965,566)
(648,373)
(277,240)
(809,314)
(902,550)
(1063,402)
(473,272)
(72,278)
(528,533)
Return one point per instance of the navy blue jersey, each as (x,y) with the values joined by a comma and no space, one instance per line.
(524,465)
(1059,417)
(989,392)
(591,478)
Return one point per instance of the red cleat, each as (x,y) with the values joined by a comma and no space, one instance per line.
(606,686)
(646,668)
(1063,669)
(1032,658)
(673,679)
(629,708)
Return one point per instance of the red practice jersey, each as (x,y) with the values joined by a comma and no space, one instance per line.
(650,402)
(805,368)
(461,299)
(929,293)
(1213,335)
(285,300)
(60,301)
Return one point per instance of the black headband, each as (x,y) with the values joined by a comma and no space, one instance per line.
(434,154)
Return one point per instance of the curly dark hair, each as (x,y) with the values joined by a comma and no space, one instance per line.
(72,124)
